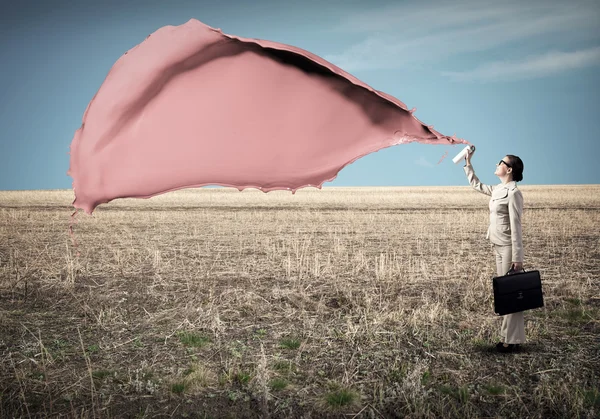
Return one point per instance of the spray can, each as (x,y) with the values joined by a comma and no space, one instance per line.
(463,153)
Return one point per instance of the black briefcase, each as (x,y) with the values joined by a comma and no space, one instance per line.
(516,292)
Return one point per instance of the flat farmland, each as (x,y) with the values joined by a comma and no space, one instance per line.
(341,302)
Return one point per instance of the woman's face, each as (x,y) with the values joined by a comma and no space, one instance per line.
(502,167)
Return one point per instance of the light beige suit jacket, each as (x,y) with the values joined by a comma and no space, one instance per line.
(506,211)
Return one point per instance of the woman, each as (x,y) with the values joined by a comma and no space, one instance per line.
(504,232)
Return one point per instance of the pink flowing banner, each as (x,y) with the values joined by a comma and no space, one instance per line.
(191,106)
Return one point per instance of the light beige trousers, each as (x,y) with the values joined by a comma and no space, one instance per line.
(513,325)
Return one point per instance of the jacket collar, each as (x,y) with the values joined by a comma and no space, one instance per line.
(509,185)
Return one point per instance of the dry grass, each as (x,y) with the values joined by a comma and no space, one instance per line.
(344,302)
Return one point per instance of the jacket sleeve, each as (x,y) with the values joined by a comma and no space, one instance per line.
(475,183)
(515,211)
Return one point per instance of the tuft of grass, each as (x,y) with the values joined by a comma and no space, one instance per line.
(591,398)
(37,375)
(495,390)
(260,333)
(341,397)
(479,343)
(425,378)
(574,315)
(101,374)
(92,349)
(574,301)
(396,375)
(235,395)
(461,393)
(278,384)
(193,340)
(579,315)
(59,344)
(449,390)
(58,348)
(178,388)
(243,377)
(290,343)
(224,379)
(284,366)
(198,375)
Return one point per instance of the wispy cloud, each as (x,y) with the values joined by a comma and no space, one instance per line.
(531,67)
(417,33)
(422,162)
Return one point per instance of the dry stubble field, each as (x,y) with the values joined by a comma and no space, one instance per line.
(341,302)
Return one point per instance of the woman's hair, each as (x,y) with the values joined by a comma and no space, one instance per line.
(517,167)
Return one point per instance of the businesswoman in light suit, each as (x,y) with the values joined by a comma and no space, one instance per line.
(504,232)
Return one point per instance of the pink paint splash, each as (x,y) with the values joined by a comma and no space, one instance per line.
(443,157)
(191,106)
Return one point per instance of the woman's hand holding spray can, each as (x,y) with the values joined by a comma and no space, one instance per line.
(464,154)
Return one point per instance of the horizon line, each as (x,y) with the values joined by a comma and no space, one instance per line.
(311,187)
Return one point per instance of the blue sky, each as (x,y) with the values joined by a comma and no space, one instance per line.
(511,77)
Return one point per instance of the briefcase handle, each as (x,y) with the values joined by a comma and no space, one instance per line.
(512,271)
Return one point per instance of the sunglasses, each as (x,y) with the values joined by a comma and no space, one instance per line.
(502,161)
